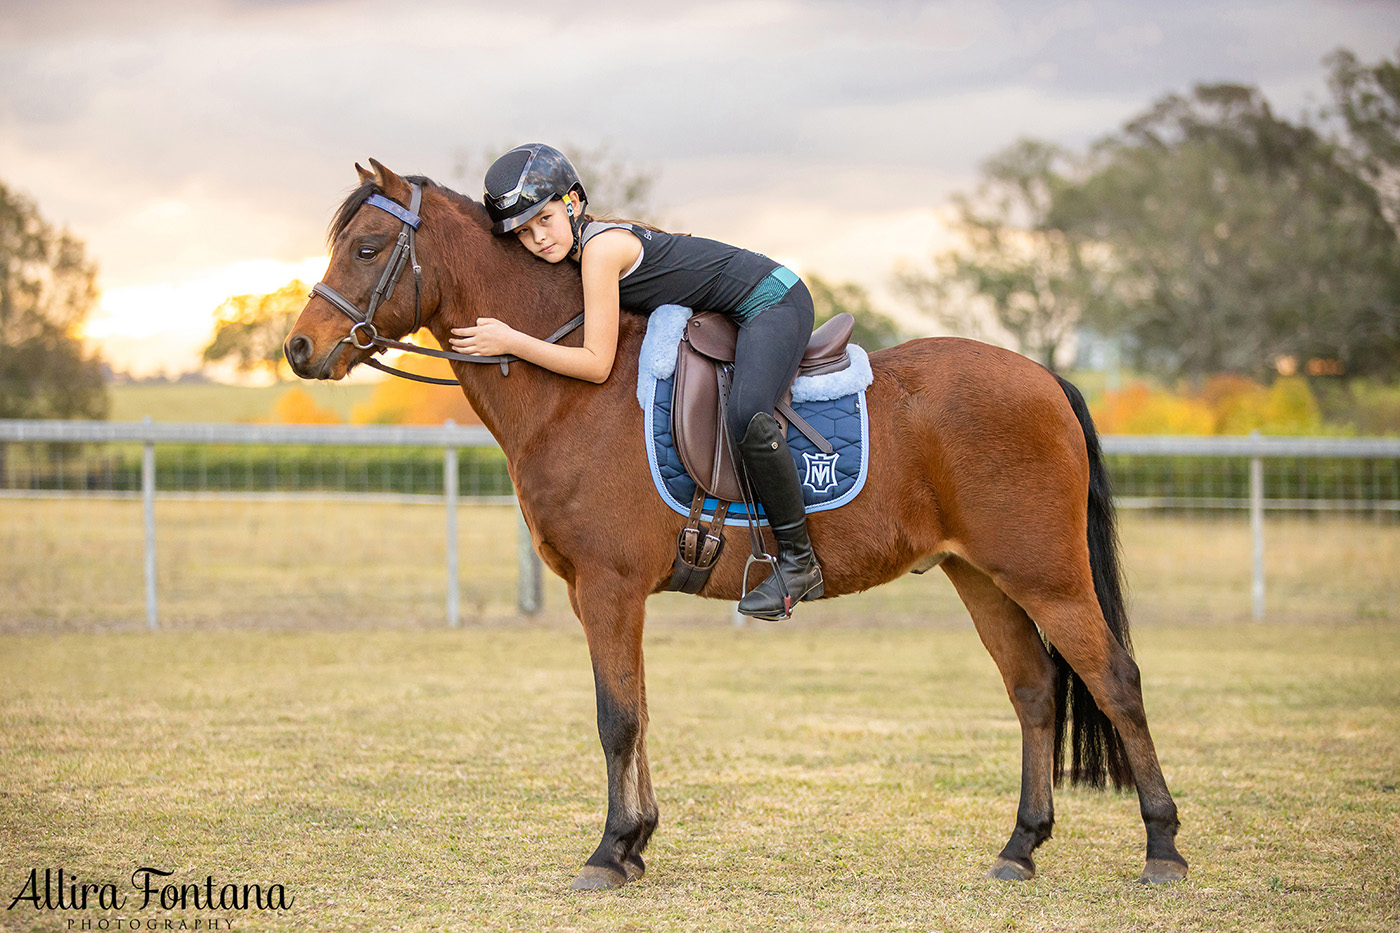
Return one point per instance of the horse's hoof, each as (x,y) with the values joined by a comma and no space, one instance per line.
(1007,870)
(1162,871)
(593,878)
(635,868)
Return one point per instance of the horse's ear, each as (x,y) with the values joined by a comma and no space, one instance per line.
(391,184)
(364,173)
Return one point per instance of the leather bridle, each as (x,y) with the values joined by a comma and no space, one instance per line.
(364,336)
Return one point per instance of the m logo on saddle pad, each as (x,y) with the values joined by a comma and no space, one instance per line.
(821,472)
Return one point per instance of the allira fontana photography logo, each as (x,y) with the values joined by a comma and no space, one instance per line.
(149,889)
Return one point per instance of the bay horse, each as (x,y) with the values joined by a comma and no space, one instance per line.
(982,463)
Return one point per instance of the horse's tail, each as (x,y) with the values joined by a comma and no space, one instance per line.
(1098,754)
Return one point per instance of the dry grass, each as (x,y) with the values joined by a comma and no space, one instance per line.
(305,722)
(810,779)
(213,402)
(77,566)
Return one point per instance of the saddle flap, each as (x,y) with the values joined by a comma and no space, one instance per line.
(696,426)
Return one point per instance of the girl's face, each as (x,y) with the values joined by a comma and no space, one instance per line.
(548,234)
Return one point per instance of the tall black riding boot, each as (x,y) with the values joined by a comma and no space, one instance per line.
(773,477)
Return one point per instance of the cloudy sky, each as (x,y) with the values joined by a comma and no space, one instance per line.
(199,146)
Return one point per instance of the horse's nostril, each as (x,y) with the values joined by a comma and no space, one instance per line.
(298,350)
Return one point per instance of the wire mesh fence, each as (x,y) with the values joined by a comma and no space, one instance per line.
(280,527)
(1198,485)
(251,468)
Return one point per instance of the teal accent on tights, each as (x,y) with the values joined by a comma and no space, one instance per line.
(766,293)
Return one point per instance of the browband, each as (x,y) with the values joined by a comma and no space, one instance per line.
(393,207)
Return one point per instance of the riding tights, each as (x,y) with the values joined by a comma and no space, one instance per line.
(766,357)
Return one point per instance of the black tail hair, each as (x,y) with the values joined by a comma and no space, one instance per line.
(1098,754)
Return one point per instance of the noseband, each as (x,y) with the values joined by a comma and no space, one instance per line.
(364,336)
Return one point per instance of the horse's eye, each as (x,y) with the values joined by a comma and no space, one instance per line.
(367,253)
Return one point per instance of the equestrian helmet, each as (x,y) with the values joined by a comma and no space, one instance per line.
(520,183)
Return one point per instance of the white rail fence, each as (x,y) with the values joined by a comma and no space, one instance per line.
(1169,482)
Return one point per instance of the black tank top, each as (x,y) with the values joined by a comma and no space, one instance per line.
(701,274)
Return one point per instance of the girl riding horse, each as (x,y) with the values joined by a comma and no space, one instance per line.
(534,192)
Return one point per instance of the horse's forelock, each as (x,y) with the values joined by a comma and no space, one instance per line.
(348,208)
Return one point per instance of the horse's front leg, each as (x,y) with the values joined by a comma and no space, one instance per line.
(612,613)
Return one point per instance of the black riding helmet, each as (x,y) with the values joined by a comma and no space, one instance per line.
(520,183)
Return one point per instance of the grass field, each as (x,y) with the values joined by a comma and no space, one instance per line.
(303,718)
(810,778)
(213,402)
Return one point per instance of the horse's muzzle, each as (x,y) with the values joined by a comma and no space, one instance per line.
(300,351)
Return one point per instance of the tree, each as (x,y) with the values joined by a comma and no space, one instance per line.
(1016,276)
(251,329)
(1367,99)
(872,330)
(1240,241)
(47,290)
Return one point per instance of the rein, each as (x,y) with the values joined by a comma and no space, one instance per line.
(363,328)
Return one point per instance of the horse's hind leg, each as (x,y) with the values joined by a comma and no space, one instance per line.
(612,617)
(1075,626)
(1029,674)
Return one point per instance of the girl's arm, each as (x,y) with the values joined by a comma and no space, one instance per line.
(608,254)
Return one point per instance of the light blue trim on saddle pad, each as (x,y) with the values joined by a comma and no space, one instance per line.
(833,403)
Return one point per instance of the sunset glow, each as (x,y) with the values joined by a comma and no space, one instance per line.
(163,327)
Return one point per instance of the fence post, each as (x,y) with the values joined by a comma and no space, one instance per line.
(530,586)
(148,503)
(449,489)
(1256,527)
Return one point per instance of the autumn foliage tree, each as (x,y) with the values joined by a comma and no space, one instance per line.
(250,329)
(1224,404)
(402,401)
(296,406)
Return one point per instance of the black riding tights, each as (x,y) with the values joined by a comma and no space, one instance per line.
(766,357)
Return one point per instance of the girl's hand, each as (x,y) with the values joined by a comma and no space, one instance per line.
(488,337)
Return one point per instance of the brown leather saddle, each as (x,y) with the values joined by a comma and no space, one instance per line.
(704,366)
